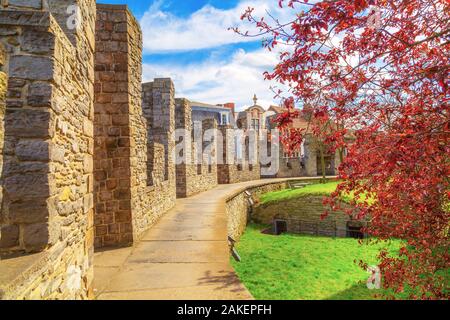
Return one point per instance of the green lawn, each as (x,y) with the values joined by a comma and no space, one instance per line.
(318,189)
(293,267)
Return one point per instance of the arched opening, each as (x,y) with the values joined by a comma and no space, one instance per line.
(355,230)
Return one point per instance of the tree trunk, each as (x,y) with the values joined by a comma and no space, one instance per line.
(322,163)
(341,155)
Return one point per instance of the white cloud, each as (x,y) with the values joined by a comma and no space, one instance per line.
(205,28)
(214,81)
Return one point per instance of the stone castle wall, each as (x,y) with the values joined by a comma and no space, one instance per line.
(235,170)
(290,168)
(193,178)
(156,150)
(238,207)
(112,153)
(134,168)
(3,92)
(242,173)
(47,201)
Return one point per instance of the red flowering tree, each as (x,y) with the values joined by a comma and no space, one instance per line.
(381,69)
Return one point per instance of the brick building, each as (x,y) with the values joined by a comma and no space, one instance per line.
(307,160)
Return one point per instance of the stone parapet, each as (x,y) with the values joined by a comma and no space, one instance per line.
(46,179)
(236,169)
(195,175)
(114,99)
(157,194)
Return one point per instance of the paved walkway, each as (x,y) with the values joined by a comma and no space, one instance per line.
(184,256)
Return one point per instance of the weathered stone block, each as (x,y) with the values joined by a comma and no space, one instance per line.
(57,154)
(30,185)
(15,167)
(119,120)
(120,98)
(9,236)
(34,4)
(104,58)
(28,211)
(109,87)
(28,123)
(36,236)
(123,216)
(37,41)
(40,94)
(111,184)
(16,84)
(88,164)
(105,195)
(32,150)
(122,194)
(31,67)
(101,230)
(114,228)
(114,131)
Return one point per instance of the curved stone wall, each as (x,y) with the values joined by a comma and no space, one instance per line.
(304,216)
(238,205)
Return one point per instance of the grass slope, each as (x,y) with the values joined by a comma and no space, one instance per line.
(294,267)
(318,189)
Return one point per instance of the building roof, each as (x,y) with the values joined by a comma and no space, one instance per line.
(298,123)
(257,107)
(208,107)
(277,109)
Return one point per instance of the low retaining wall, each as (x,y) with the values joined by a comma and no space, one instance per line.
(238,204)
(304,216)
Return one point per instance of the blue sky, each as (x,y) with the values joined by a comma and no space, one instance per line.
(180,8)
(189,42)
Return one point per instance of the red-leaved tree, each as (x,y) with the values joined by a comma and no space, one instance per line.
(380,69)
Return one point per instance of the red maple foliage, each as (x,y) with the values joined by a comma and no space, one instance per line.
(380,69)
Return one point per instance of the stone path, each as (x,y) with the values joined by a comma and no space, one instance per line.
(184,256)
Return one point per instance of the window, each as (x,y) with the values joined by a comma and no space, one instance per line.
(250,167)
(224,119)
(199,168)
(239,167)
(209,168)
(255,124)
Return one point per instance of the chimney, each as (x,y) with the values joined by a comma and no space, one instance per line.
(230,105)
